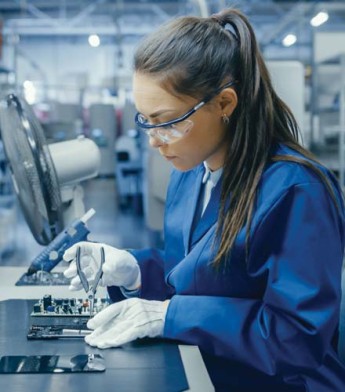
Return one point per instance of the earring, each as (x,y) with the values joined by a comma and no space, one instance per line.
(225,119)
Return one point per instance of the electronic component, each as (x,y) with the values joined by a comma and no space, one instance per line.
(53,318)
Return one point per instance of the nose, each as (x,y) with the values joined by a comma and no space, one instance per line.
(155,142)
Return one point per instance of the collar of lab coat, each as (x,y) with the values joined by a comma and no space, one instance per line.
(212,176)
(210,215)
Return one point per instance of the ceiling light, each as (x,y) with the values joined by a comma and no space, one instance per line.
(94,40)
(289,40)
(319,19)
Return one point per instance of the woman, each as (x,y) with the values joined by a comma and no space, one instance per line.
(254,226)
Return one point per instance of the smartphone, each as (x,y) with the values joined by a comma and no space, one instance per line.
(52,363)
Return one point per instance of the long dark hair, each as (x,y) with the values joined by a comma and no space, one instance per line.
(195,56)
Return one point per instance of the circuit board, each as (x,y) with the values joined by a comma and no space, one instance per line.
(43,278)
(53,318)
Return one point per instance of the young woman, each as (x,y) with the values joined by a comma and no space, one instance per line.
(254,225)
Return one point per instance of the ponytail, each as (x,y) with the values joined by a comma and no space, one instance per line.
(263,120)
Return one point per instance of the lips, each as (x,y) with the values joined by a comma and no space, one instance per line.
(169,158)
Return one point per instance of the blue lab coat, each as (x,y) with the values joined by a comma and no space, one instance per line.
(269,324)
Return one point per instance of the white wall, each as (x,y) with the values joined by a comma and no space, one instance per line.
(328,45)
(288,81)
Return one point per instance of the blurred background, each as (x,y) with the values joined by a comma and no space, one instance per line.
(72,61)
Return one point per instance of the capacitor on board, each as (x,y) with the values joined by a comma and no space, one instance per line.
(47,301)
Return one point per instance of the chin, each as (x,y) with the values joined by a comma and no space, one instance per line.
(183,167)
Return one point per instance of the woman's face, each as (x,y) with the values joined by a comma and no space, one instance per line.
(206,139)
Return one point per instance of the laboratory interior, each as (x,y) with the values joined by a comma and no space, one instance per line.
(75,166)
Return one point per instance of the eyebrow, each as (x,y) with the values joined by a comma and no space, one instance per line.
(160,112)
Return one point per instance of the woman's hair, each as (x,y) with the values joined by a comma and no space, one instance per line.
(195,56)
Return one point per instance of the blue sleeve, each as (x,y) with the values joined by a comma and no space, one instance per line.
(153,285)
(298,245)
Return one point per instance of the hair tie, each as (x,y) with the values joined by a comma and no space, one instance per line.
(221,20)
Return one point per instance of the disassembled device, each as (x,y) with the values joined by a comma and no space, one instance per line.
(56,364)
(54,318)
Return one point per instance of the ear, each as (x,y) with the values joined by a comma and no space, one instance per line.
(227,101)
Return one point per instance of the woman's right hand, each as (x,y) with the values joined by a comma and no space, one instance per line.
(119,269)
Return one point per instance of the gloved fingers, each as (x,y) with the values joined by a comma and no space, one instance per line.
(85,262)
(110,327)
(71,252)
(111,276)
(120,269)
(76,287)
(75,284)
(85,249)
(71,271)
(104,282)
(89,273)
(143,311)
(107,314)
(108,268)
(89,339)
(110,280)
(109,337)
(127,336)
(119,274)
(124,338)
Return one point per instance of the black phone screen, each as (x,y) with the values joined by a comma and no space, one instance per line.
(52,363)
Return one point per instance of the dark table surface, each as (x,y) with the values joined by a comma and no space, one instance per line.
(145,365)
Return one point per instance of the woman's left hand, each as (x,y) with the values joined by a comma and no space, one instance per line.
(125,321)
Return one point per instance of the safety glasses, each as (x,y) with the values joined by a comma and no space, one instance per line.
(173,130)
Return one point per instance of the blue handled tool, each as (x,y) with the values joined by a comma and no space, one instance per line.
(90,289)
(53,253)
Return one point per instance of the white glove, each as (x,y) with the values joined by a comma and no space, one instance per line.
(126,321)
(119,269)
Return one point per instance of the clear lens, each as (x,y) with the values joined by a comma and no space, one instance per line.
(170,133)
